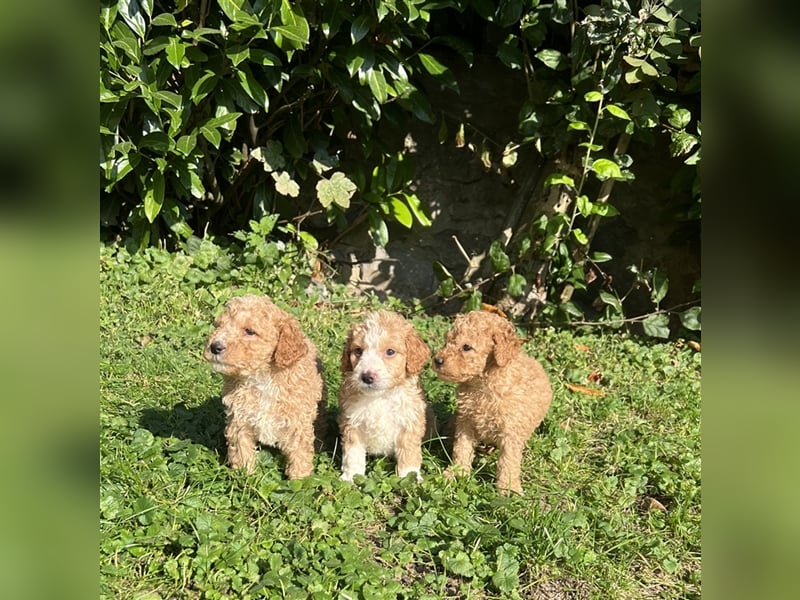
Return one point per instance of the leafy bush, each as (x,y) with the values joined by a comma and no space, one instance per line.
(599,76)
(225,111)
(214,114)
(255,259)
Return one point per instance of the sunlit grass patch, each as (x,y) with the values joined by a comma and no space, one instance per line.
(612,476)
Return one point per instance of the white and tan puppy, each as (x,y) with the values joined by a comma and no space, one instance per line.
(382,407)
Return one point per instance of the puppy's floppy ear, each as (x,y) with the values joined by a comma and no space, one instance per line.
(506,343)
(291,344)
(345,363)
(417,352)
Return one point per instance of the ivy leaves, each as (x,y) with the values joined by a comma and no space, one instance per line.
(336,190)
(285,185)
(186,108)
(616,81)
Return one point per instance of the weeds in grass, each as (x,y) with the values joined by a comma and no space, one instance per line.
(612,476)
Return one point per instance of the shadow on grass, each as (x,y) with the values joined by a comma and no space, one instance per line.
(203,424)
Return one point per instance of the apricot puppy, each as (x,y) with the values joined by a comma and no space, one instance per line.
(273,390)
(501,397)
(382,407)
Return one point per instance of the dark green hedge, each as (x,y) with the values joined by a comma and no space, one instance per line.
(215,113)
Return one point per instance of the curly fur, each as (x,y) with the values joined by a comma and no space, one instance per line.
(382,407)
(502,394)
(273,389)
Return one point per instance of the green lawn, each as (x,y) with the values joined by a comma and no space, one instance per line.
(612,504)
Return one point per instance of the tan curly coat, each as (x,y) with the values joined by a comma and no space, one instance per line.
(273,391)
(502,394)
(382,407)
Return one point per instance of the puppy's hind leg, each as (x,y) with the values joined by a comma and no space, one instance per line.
(409,454)
(509,465)
(300,456)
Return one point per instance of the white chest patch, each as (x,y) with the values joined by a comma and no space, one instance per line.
(380,417)
(259,407)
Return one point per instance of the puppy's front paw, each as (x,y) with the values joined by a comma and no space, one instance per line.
(236,463)
(348,477)
(403,472)
(507,491)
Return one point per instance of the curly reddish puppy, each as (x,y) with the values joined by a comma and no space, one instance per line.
(502,394)
(273,390)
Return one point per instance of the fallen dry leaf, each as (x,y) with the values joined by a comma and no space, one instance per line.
(585,390)
(653,504)
(694,345)
(582,348)
(493,309)
(595,376)
(316,274)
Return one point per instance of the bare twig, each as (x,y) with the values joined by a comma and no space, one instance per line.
(473,264)
(461,248)
(639,318)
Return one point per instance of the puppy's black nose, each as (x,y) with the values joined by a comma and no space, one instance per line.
(438,361)
(368,378)
(216,347)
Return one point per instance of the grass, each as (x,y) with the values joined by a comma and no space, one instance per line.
(612,479)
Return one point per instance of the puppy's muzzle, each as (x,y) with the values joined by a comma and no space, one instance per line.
(368,378)
(438,362)
(216,347)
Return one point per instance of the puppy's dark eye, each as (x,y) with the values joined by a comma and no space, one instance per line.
(249,331)
(390,352)
(358,351)
(466,347)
